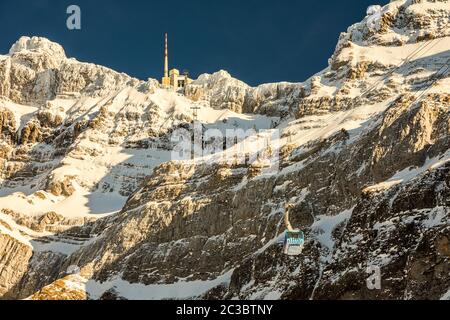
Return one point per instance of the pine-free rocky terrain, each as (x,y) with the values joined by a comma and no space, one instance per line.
(93,206)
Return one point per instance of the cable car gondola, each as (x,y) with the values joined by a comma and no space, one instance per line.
(294,239)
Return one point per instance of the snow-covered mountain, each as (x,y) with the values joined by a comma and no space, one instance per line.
(93,207)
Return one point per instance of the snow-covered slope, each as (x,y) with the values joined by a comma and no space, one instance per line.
(360,149)
(78,139)
(89,149)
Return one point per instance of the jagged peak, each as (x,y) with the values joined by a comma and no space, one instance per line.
(408,17)
(398,23)
(220,77)
(38,44)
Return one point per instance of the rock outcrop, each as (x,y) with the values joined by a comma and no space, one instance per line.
(14,259)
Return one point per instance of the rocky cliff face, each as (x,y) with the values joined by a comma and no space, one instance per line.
(362,153)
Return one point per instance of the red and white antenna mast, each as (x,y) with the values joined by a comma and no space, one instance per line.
(166,56)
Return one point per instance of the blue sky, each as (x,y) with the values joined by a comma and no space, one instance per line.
(256,41)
